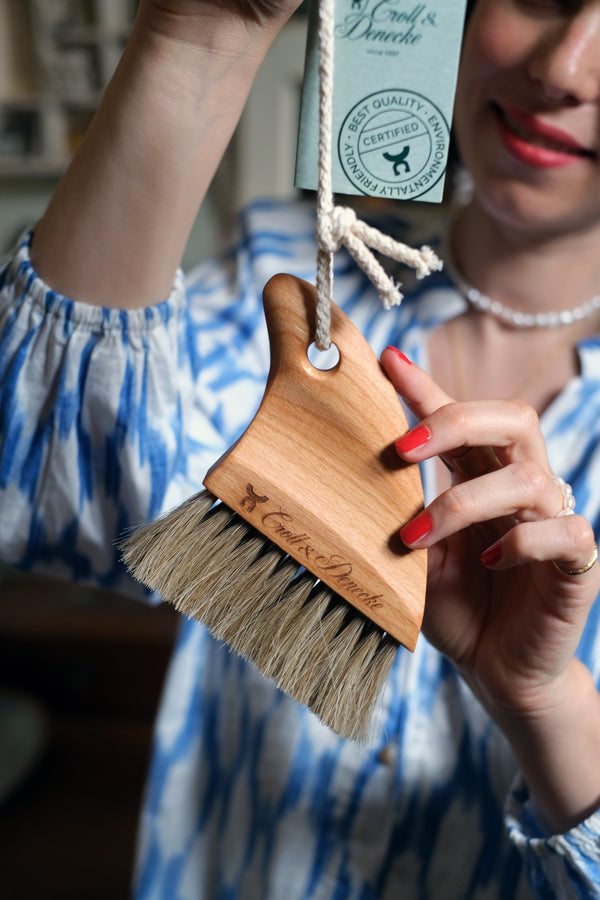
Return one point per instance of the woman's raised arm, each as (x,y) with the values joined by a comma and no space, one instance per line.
(117,226)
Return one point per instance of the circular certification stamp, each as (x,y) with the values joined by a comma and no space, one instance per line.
(394,143)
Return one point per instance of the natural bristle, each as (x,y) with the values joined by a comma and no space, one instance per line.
(211,565)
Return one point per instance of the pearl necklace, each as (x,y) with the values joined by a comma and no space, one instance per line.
(514,317)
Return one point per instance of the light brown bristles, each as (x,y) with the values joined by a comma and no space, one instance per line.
(211,565)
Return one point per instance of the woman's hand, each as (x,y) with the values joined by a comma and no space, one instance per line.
(497,606)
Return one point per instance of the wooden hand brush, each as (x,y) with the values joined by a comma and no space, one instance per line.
(298,568)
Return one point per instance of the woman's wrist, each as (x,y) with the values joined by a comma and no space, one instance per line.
(556,740)
(217,28)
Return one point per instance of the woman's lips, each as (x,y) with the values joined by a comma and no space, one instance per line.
(535,143)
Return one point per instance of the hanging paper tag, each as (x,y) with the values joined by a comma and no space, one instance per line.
(395,69)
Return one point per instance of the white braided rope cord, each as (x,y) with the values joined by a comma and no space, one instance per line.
(339,226)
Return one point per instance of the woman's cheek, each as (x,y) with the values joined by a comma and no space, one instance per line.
(498,36)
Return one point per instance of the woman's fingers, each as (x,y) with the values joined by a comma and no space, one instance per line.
(510,426)
(448,428)
(519,486)
(568,543)
(523,491)
(420,392)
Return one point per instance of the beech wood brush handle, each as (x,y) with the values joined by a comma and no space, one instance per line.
(316,471)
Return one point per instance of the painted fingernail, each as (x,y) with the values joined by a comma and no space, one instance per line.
(420,526)
(413,439)
(399,354)
(492,555)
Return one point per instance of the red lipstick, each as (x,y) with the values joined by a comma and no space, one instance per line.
(537,144)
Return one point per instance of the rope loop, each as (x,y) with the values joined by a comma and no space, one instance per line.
(343,222)
(334,229)
(339,226)
(328,238)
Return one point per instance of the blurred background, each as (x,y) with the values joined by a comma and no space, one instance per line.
(81,670)
(56,57)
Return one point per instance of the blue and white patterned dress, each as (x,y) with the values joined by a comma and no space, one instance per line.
(108,418)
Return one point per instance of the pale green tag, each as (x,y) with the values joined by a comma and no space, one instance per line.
(394,82)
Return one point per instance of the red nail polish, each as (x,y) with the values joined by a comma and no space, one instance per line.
(492,555)
(400,354)
(413,439)
(417,529)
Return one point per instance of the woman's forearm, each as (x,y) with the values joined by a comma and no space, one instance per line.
(558,750)
(117,226)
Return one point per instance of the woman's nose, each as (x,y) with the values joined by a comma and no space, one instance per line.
(566,63)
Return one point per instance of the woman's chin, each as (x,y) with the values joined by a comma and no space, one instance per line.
(531,212)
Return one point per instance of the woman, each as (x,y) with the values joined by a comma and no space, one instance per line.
(110,416)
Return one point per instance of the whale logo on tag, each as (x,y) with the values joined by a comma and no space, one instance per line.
(394,143)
